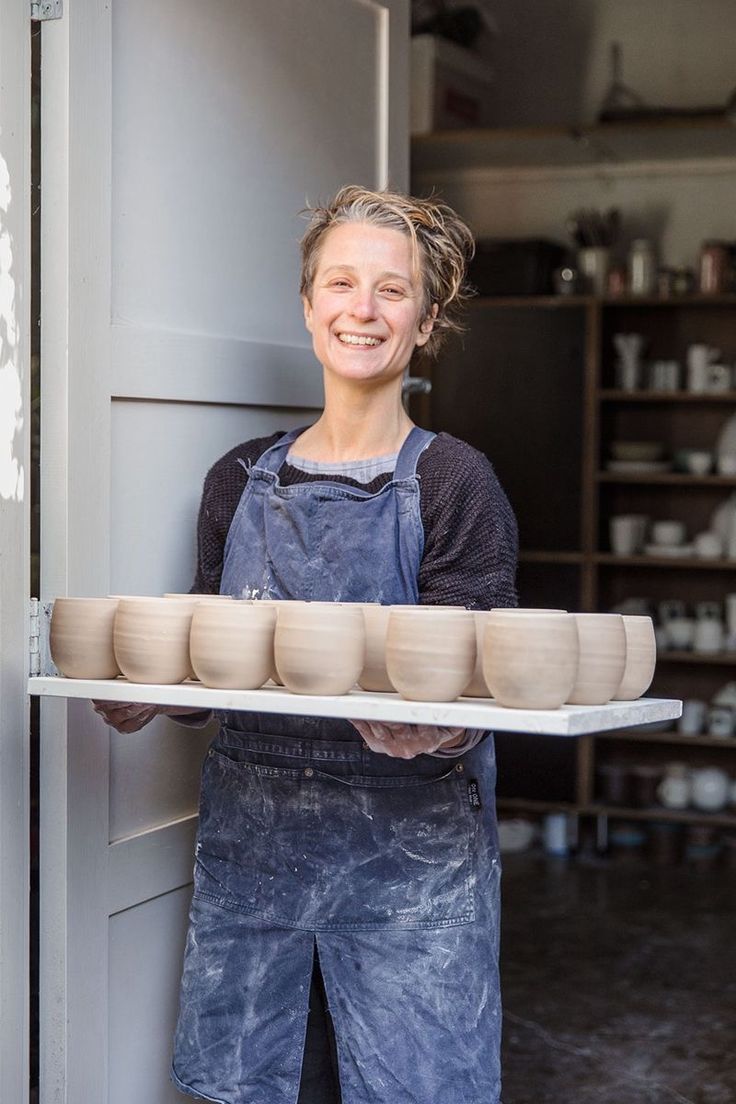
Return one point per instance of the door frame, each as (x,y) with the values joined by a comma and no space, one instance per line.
(15,547)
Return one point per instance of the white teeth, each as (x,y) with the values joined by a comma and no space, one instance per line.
(353,339)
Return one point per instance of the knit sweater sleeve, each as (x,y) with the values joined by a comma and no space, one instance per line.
(223,487)
(470,532)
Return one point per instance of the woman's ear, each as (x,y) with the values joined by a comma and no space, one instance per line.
(426,327)
(307,313)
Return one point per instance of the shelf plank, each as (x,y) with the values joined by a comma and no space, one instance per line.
(607,559)
(570,720)
(537,147)
(677,816)
(617,812)
(534,556)
(717,659)
(634,737)
(689,398)
(667,479)
(553,302)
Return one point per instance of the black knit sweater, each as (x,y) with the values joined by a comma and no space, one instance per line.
(470,533)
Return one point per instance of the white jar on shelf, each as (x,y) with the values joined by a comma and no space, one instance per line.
(642,267)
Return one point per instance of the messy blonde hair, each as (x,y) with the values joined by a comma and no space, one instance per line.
(442,246)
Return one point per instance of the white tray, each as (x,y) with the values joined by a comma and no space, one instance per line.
(570,720)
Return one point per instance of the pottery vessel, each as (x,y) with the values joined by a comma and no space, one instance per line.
(430,651)
(275,603)
(710,789)
(199,598)
(151,638)
(319,647)
(82,637)
(530,661)
(231,644)
(478,687)
(675,789)
(602,659)
(374,675)
(641,658)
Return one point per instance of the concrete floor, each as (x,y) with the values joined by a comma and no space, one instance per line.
(619,983)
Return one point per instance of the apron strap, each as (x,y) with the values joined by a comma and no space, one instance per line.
(411,450)
(272,459)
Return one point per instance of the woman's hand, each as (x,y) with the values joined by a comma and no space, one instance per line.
(404,741)
(132,716)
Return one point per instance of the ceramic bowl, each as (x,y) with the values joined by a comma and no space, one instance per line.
(602,659)
(641,658)
(530,661)
(151,639)
(430,651)
(231,644)
(637,451)
(82,637)
(319,646)
(478,687)
(374,675)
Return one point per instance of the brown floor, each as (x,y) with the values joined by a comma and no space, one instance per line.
(619,983)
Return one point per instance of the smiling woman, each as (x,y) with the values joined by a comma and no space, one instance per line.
(347,879)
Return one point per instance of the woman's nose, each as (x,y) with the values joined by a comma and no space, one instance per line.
(363,305)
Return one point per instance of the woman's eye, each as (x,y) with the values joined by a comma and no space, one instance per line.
(394,291)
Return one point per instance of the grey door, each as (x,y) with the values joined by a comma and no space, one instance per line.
(180,140)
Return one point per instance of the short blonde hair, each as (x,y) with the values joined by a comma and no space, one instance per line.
(442,243)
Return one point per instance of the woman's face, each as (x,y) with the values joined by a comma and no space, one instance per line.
(365,311)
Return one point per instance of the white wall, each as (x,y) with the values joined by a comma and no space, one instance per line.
(551,64)
(551,57)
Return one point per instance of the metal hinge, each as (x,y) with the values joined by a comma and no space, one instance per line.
(46,9)
(39,652)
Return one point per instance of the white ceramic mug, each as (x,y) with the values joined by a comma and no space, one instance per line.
(710,788)
(627,533)
(681,633)
(692,720)
(708,546)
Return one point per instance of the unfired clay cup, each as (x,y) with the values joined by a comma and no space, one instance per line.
(151,638)
(530,661)
(641,658)
(430,651)
(374,675)
(231,644)
(602,658)
(81,637)
(275,603)
(478,687)
(319,647)
(199,598)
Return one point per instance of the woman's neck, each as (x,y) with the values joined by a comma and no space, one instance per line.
(356,425)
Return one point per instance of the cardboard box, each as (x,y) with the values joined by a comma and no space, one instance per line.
(451,87)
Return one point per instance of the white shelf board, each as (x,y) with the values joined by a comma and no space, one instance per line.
(570,720)
(567,146)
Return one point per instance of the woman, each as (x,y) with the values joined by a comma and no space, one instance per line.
(350,871)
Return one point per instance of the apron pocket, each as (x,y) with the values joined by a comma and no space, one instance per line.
(305,848)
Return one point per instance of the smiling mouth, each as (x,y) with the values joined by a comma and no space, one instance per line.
(360,340)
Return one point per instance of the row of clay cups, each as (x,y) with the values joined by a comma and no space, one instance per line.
(534,659)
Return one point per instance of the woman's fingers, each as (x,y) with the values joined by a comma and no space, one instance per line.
(125,716)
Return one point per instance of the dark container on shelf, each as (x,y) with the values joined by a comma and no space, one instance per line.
(665,842)
(614,783)
(645,780)
(516,266)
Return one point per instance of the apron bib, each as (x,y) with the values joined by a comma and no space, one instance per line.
(307,839)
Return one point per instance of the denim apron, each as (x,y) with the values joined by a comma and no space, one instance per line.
(307,841)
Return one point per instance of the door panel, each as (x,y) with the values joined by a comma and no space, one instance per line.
(180,143)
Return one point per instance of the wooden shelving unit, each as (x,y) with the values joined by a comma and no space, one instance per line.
(544,408)
(584,574)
